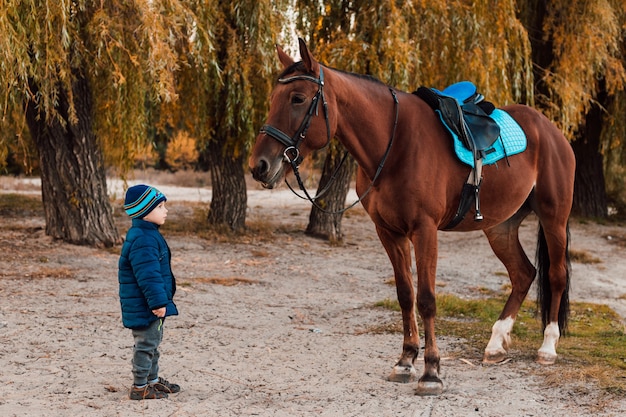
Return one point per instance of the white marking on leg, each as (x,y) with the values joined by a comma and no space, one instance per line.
(500,337)
(547,351)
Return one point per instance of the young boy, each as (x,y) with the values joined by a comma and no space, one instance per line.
(147,288)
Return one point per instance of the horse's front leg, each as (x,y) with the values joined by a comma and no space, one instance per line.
(399,251)
(425,244)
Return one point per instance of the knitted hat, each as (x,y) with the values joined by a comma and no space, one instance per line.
(141,200)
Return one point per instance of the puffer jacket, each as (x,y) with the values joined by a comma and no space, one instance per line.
(145,276)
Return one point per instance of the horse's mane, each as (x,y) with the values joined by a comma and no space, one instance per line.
(299,66)
(292,68)
(361,76)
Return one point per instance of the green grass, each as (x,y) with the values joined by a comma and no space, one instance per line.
(594,346)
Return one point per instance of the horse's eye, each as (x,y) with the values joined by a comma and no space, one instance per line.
(297,99)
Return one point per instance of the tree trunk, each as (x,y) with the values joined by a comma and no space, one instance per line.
(590,199)
(327,224)
(532,14)
(73,179)
(229,198)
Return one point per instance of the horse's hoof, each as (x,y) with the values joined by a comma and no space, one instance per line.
(403,374)
(544,358)
(492,358)
(429,388)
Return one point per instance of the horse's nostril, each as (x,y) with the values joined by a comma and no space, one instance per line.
(263,166)
(260,169)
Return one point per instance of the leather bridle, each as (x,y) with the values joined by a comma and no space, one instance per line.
(292,150)
(292,144)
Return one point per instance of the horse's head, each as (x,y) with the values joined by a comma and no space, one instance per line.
(298,121)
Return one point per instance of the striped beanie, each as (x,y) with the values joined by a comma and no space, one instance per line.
(141,200)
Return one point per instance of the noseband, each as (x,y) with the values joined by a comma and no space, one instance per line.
(292,151)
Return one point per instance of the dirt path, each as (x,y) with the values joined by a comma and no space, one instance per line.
(285,341)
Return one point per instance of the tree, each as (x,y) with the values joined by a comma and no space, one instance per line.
(73,182)
(327,212)
(579,70)
(224,98)
(82,72)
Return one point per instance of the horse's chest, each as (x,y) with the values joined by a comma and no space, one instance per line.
(388,211)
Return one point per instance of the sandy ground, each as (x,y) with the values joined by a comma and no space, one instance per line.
(287,340)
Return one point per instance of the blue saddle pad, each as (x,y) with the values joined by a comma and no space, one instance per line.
(512,141)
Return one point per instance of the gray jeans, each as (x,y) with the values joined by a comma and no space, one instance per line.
(146,353)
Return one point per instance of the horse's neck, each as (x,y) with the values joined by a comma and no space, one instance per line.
(365,117)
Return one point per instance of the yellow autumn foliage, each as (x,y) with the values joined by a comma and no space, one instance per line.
(182,152)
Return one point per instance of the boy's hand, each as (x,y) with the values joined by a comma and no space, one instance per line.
(160,312)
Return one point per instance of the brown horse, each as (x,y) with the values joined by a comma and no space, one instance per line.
(410,181)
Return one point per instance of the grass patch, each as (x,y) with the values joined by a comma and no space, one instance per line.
(583,257)
(594,347)
(224,281)
(20,205)
(190,219)
(388,304)
(186,219)
(42,273)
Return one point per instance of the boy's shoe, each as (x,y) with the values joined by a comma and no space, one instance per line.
(162,385)
(149,392)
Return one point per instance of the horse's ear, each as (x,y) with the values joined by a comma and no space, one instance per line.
(310,63)
(284,59)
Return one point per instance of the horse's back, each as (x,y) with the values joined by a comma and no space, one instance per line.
(541,133)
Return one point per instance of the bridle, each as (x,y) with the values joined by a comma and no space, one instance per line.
(292,150)
(292,144)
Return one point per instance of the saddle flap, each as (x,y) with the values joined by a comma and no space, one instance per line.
(484,129)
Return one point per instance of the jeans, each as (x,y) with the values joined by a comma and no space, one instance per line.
(146,353)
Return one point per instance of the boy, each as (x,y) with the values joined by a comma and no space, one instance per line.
(147,288)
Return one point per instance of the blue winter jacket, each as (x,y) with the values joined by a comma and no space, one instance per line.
(145,275)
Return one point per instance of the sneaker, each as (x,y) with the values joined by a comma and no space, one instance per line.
(162,385)
(149,392)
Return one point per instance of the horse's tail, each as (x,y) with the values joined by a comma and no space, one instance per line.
(544,292)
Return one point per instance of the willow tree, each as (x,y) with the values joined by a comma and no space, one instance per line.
(223,94)
(81,73)
(579,72)
(407,44)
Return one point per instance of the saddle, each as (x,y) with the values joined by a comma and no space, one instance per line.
(465,113)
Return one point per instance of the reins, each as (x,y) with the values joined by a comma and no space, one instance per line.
(292,144)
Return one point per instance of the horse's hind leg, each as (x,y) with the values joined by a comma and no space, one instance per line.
(504,241)
(553,276)
(399,251)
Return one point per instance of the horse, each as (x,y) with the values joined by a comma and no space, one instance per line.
(408,180)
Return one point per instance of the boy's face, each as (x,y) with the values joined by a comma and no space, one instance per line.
(158,215)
